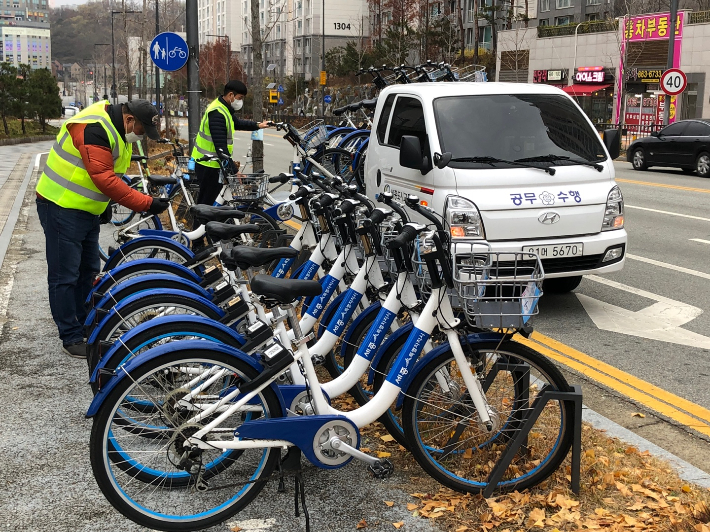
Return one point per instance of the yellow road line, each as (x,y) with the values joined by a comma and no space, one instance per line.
(681,410)
(293,225)
(663,185)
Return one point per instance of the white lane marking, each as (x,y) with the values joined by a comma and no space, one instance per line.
(661,321)
(668,213)
(268,144)
(699,240)
(660,264)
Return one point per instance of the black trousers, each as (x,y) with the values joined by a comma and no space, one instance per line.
(210,187)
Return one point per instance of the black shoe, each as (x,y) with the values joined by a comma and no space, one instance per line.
(75,350)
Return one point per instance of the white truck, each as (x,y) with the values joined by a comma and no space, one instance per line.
(516,166)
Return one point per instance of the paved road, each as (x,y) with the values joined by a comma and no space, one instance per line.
(623,373)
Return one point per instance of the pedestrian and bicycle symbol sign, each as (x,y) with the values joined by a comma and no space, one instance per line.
(169,51)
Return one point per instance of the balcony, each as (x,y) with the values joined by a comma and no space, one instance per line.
(592,26)
(699,17)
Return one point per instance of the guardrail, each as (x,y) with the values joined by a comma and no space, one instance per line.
(592,26)
(699,17)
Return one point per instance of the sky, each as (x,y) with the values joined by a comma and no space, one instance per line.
(58,3)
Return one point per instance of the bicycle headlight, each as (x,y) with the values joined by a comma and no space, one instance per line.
(463,218)
(614,210)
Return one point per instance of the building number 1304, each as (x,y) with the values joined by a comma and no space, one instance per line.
(341,25)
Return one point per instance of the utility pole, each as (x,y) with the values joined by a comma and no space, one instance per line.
(193,71)
(671,57)
(157,70)
(322,66)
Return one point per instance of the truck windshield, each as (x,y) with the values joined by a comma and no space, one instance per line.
(538,129)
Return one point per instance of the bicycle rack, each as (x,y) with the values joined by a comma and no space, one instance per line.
(574,396)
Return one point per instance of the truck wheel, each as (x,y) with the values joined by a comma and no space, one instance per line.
(561,285)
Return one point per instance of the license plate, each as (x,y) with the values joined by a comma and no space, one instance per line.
(557,251)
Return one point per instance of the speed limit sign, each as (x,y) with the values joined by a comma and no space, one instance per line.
(673,81)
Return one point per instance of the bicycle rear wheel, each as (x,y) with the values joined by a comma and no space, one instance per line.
(452,445)
(186,491)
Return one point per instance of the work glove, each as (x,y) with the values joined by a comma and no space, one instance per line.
(158,205)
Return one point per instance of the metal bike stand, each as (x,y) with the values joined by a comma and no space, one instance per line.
(575,397)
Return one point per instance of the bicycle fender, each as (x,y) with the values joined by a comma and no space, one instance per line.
(158,232)
(117,309)
(173,347)
(182,323)
(329,312)
(402,331)
(356,133)
(114,293)
(438,350)
(358,153)
(148,240)
(373,308)
(339,131)
(179,270)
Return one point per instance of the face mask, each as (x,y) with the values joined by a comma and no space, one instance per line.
(132,137)
(237,104)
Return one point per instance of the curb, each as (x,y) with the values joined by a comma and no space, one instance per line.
(26,140)
(9,229)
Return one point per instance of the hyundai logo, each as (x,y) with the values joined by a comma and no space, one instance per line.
(548,218)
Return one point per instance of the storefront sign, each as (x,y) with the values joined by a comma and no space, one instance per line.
(590,76)
(543,76)
(652,27)
(642,75)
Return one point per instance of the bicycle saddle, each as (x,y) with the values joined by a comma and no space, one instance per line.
(222,231)
(142,158)
(369,104)
(207,213)
(284,290)
(161,180)
(340,110)
(355,106)
(246,256)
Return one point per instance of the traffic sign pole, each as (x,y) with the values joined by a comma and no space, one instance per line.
(673,83)
(671,55)
(193,71)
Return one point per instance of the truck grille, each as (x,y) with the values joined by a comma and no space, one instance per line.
(567,264)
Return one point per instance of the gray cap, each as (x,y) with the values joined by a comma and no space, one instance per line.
(147,114)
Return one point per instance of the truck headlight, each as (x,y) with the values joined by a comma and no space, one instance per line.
(614,211)
(463,218)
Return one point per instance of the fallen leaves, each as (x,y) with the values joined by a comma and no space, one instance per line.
(361,524)
(400,524)
(389,503)
(638,414)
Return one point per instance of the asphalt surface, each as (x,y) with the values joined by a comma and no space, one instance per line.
(46,480)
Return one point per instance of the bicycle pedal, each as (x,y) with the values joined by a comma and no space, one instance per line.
(382,469)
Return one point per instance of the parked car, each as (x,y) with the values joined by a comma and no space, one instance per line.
(684,144)
(70,110)
(516,166)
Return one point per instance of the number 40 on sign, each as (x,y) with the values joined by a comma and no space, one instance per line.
(673,81)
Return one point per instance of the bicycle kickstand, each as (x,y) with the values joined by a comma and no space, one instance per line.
(292,462)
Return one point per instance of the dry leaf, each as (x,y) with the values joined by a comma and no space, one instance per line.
(361,524)
(411,506)
(234,528)
(462,529)
(389,503)
(685,488)
(536,518)
(383,454)
(638,414)
(398,525)
(387,438)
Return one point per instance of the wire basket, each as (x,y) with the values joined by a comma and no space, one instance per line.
(496,290)
(314,134)
(181,161)
(248,187)
(468,72)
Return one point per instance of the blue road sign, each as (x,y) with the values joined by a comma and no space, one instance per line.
(327,98)
(169,51)
(281,88)
(281,101)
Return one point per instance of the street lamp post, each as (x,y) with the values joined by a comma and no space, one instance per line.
(102,60)
(322,66)
(114,88)
(229,54)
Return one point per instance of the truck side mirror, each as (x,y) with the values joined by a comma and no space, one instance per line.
(410,154)
(612,141)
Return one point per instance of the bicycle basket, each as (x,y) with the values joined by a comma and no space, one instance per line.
(314,134)
(248,187)
(181,161)
(496,290)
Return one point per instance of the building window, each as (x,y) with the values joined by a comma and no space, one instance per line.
(544,5)
(563,4)
(308,26)
(485,37)
(591,16)
(561,21)
(299,27)
(544,22)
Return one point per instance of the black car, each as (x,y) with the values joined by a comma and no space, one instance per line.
(684,144)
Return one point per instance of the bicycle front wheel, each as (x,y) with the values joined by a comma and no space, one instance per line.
(447,437)
(154,481)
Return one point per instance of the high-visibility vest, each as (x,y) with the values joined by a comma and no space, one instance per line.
(65,180)
(204,145)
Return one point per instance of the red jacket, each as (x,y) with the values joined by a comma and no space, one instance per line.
(98,161)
